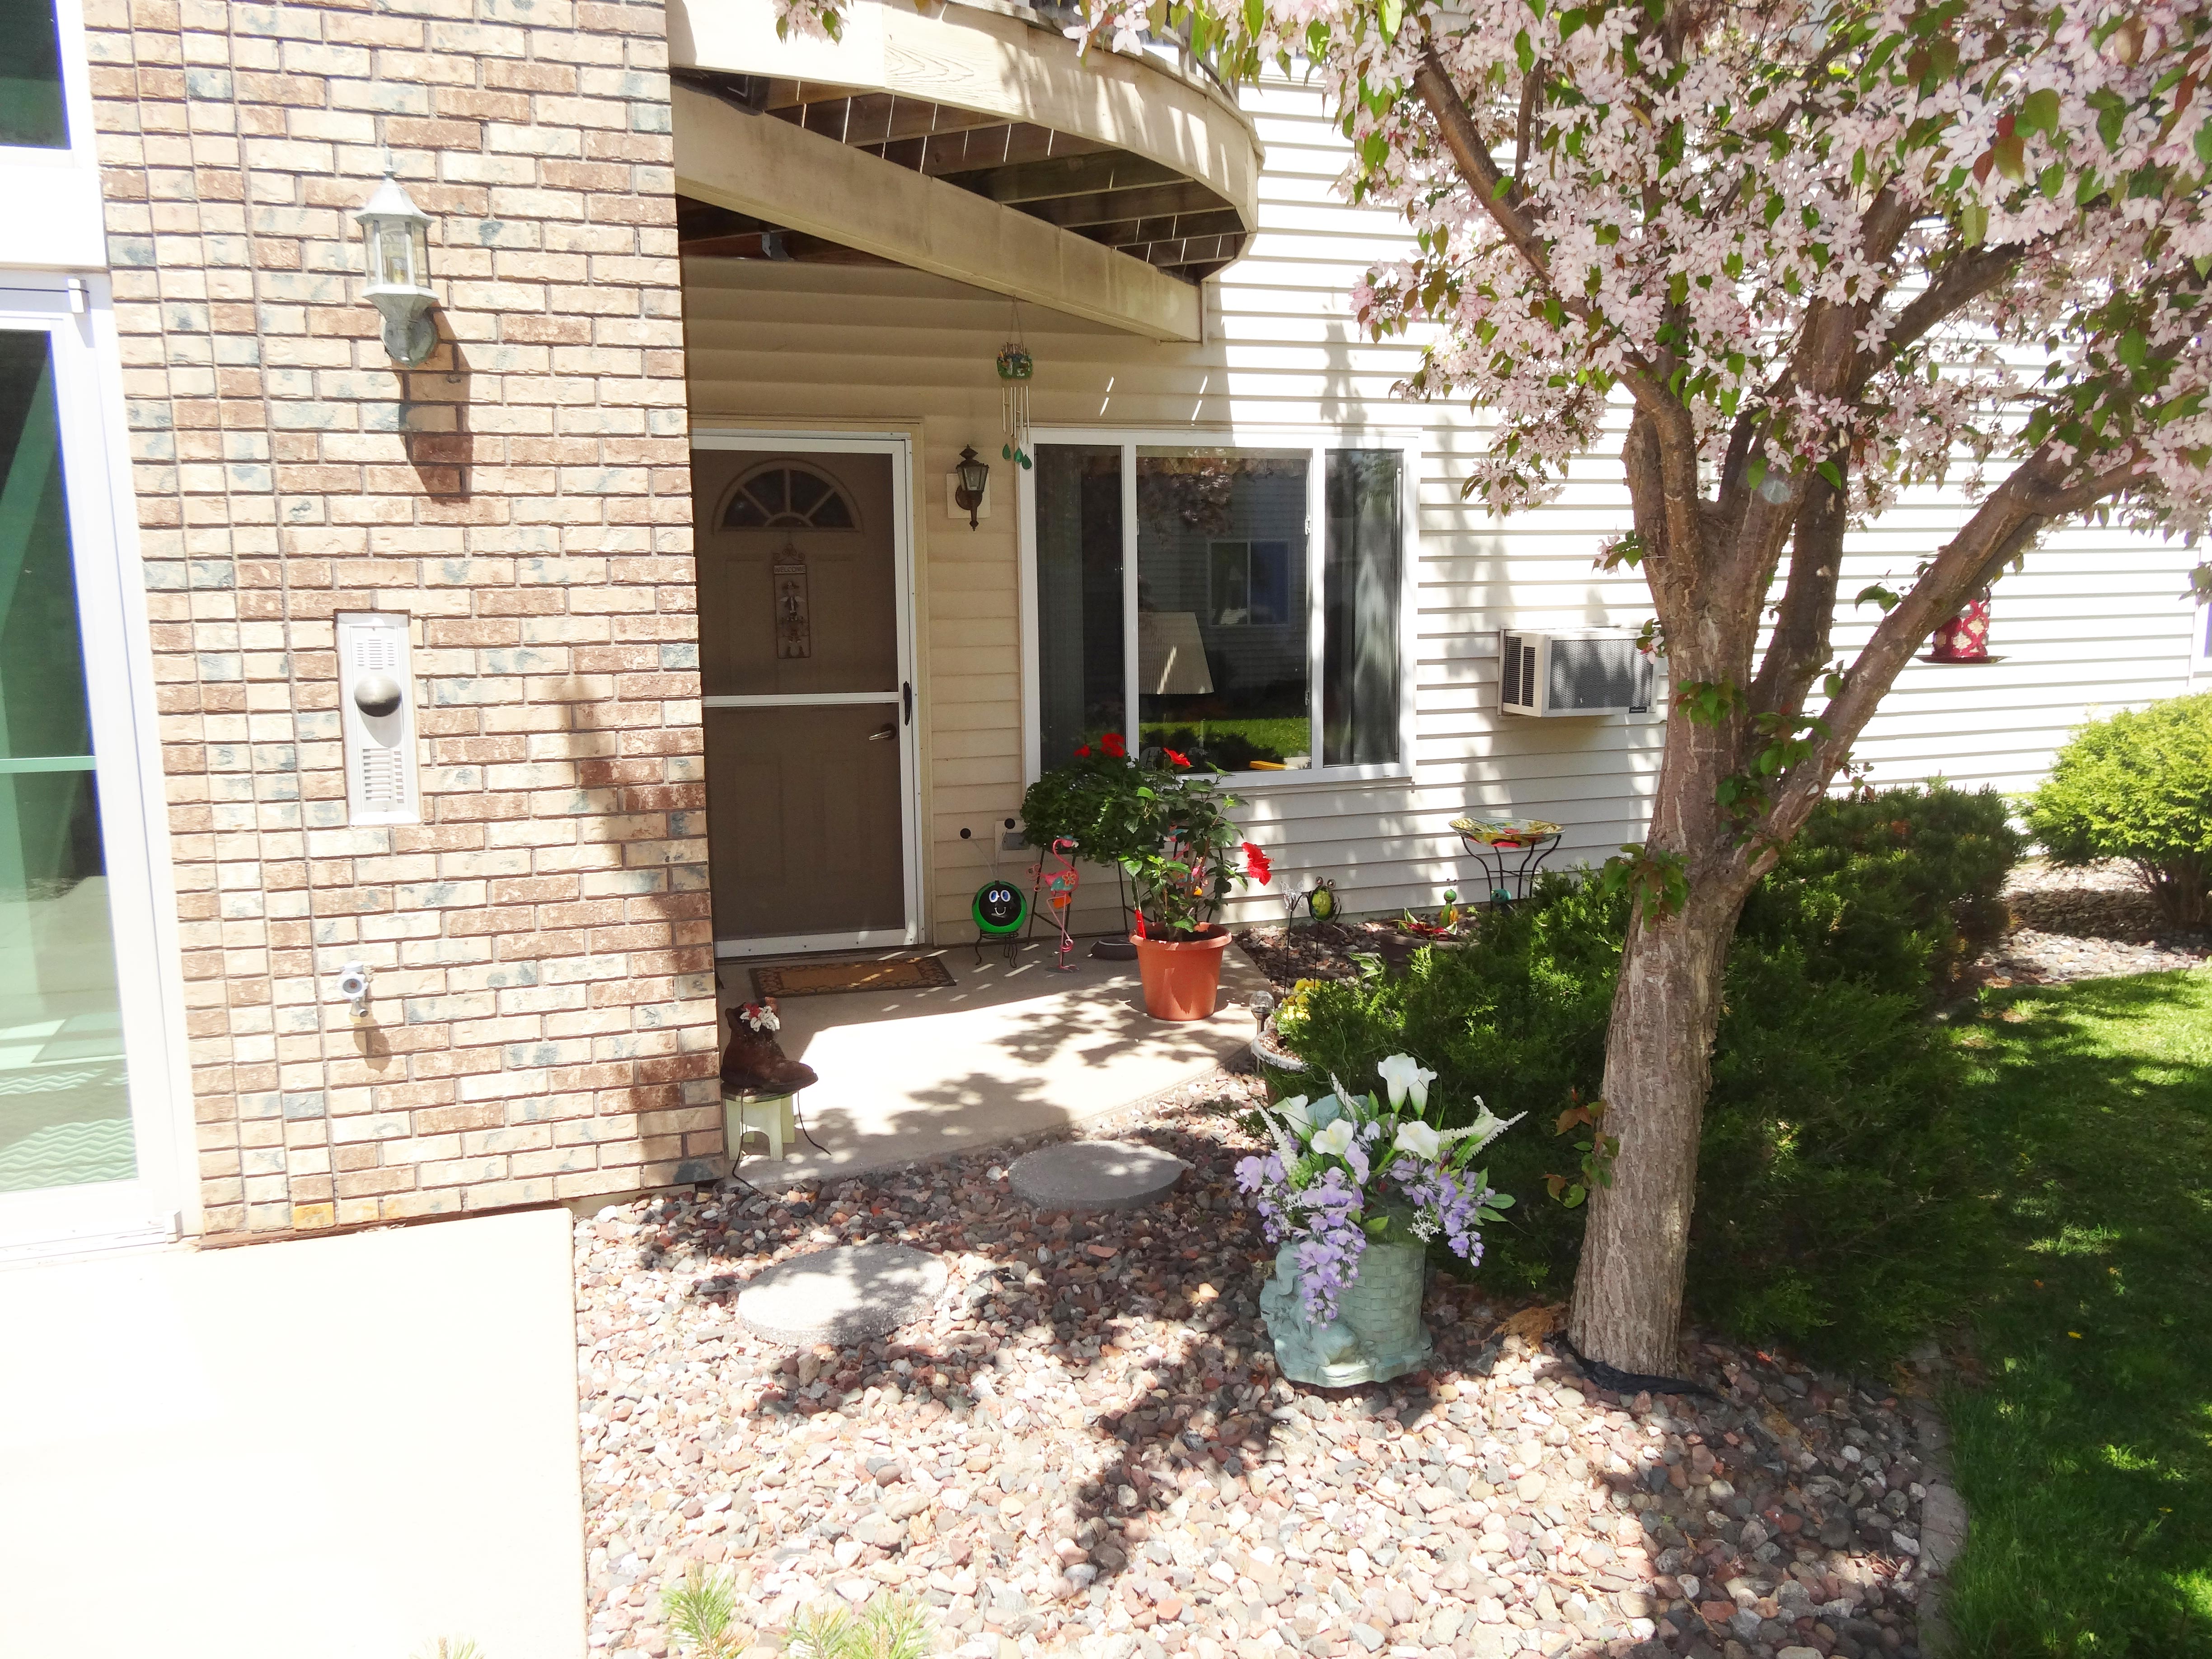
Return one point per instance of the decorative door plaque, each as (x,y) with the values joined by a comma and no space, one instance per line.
(794,627)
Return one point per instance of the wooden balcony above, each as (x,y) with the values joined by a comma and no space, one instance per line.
(979,114)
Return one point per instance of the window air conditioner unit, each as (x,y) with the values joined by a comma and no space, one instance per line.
(1585,671)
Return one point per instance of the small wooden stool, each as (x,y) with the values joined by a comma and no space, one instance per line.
(771,1115)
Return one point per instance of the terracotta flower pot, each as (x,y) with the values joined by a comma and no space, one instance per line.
(1182,976)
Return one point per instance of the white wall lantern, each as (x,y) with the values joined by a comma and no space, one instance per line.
(395,236)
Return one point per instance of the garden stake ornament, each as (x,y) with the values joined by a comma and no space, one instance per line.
(1059,889)
(999,909)
(1321,902)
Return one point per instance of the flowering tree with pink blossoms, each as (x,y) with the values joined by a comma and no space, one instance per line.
(1812,253)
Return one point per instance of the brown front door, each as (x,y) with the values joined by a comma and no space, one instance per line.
(809,705)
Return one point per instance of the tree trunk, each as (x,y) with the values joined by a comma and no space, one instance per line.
(1658,1065)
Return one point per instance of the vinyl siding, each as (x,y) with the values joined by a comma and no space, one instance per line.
(2094,622)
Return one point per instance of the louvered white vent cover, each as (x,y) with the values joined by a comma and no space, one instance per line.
(376,706)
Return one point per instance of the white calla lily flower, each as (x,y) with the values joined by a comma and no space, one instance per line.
(1335,1140)
(1418,1139)
(1403,1076)
(1295,1114)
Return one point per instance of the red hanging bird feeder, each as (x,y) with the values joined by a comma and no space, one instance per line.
(1965,637)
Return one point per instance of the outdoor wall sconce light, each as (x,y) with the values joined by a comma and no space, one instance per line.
(975,475)
(353,986)
(395,235)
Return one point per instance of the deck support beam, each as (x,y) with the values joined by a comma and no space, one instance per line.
(769,169)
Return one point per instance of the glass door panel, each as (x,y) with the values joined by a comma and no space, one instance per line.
(804,820)
(1360,599)
(797,572)
(64,1103)
(1081,671)
(32,114)
(1223,664)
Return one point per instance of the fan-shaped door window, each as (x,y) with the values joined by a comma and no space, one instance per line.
(781,497)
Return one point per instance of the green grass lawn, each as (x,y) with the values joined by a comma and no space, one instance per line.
(2084,1451)
(1282,735)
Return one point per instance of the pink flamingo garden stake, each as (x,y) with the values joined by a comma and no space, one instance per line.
(1059,887)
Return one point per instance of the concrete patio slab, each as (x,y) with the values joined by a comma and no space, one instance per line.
(1000,1053)
(344,1447)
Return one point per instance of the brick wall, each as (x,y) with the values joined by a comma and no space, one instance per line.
(542,1024)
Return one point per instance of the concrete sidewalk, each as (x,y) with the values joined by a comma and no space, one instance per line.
(1002,1052)
(332,1449)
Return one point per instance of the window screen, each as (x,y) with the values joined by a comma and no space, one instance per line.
(1360,606)
(1080,695)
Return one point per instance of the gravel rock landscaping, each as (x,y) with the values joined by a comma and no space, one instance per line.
(2090,923)
(1084,1446)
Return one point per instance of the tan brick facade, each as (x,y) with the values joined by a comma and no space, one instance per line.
(542,1024)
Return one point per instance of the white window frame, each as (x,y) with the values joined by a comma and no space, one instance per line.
(1317,442)
(907,707)
(55,220)
(78,317)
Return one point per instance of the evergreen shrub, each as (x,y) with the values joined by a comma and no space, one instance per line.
(1831,1176)
(2138,787)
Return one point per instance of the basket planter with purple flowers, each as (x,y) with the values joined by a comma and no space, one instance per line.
(1352,1195)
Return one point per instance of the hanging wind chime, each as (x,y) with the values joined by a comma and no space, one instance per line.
(1015,368)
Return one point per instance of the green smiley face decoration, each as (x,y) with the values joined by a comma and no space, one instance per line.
(999,909)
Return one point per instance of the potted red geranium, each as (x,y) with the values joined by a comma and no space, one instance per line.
(1168,826)
(1188,862)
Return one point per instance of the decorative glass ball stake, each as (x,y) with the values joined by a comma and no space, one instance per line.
(1321,903)
(396,239)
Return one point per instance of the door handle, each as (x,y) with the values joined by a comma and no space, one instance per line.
(884,736)
(906,702)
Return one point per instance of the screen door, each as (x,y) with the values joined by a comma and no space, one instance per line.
(809,695)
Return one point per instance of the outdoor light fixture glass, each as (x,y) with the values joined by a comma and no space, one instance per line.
(396,238)
(974,475)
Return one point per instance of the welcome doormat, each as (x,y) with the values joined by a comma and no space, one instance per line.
(820,979)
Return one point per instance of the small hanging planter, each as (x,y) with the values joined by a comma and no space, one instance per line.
(1965,637)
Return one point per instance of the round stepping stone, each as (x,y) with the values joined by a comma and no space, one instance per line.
(1095,1175)
(847,1293)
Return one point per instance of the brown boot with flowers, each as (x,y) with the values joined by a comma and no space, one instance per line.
(755,1062)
